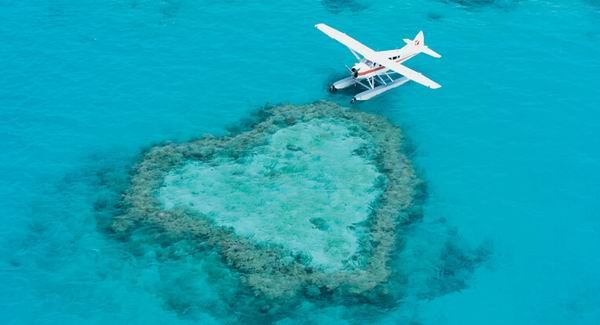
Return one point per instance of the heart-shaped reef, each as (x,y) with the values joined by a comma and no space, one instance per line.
(306,200)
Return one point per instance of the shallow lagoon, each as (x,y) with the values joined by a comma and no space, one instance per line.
(265,195)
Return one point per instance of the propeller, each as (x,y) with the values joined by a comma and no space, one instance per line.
(353,71)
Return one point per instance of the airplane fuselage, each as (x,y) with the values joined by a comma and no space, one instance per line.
(367,69)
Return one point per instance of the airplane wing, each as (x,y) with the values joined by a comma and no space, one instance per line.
(350,42)
(403,70)
(380,59)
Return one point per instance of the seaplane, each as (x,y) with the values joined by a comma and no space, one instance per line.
(380,71)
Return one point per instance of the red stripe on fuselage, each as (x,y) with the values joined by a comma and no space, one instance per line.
(381,67)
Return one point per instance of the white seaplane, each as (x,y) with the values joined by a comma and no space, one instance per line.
(380,71)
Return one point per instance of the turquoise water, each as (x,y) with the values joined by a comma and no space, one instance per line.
(509,146)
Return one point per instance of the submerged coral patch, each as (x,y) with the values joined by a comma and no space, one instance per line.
(307,182)
(338,6)
(310,199)
(478,4)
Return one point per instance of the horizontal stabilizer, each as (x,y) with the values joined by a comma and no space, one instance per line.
(430,52)
(419,43)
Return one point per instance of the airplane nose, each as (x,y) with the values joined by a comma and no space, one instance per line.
(354,72)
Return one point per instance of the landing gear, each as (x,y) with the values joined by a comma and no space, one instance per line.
(332,89)
(353,100)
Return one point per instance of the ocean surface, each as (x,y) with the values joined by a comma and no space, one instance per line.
(509,147)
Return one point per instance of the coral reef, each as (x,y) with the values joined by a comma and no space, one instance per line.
(478,4)
(339,6)
(303,237)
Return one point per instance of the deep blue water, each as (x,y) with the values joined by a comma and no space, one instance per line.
(509,146)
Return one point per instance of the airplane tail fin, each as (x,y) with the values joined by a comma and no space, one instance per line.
(419,43)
